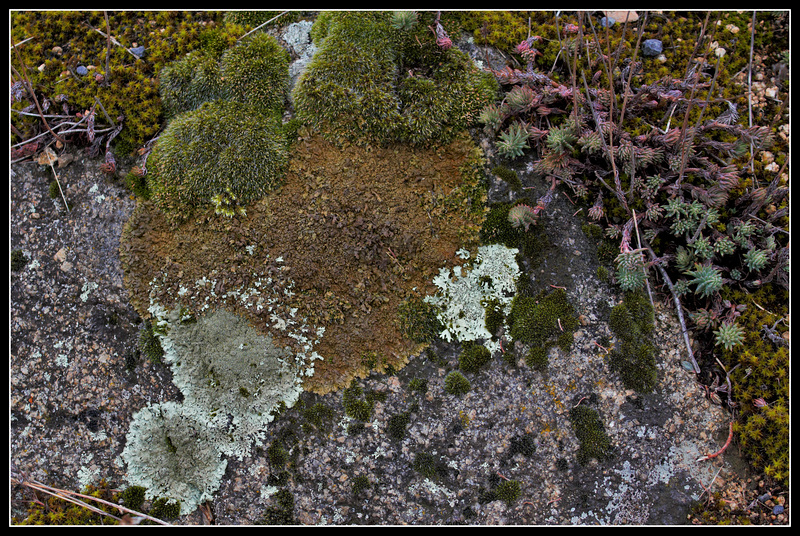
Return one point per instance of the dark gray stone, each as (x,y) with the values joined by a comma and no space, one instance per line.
(652,47)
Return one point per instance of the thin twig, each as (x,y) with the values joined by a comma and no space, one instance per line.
(630,73)
(108,49)
(23,68)
(707,489)
(750,88)
(112,40)
(21,42)
(70,497)
(262,24)
(725,446)
(609,73)
(683,144)
(678,308)
(560,45)
(609,148)
(59,185)
(639,243)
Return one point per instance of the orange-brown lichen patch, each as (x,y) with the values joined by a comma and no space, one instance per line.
(358,230)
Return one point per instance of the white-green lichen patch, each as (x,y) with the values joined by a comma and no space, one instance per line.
(462,297)
(173,453)
(231,374)
(233,378)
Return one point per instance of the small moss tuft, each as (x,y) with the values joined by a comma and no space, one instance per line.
(282,512)
(397,424)
(150,344)
(474,357)
(523,444)
(18,260)
(360,483)
(456,384)
(537,358)
(542,321)
(355,406)
(509,176)
(634,355)
(589,430)
(429,466)
(508,491)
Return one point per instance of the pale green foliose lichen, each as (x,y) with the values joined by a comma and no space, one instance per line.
(461,297)
(171,452)
(232,376)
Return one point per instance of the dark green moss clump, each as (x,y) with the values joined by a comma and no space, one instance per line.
(358,404)
(150,344)
(282,512)
(537,358)
(391,83)
(497,229)
(429,466)
(163,508)
(277,455)
(474,357)
(18,260)
(456,384)
(509,491)
(542,321)
(494,317)
(589,430)
(133,497)
(318,417)
(509,176)
(397,424)
(418,385)
(523,444)
(360,483)
(634,354)
(418,320)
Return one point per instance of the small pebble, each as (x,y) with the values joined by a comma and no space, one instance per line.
(652,47)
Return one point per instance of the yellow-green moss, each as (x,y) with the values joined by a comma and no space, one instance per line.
(760,371)
(64,40)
